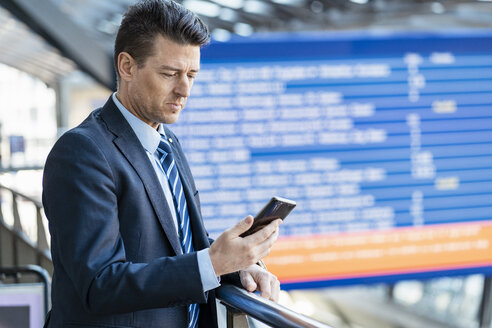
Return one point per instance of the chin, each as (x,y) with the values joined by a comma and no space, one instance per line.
(171,120)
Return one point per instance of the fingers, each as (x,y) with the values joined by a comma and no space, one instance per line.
(263,234)
(275,287)
(255,278)
(230,253)
(241,226)
(247,281)
(268,285)
(263,249)
(264,286)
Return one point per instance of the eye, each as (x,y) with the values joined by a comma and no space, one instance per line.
(168,74)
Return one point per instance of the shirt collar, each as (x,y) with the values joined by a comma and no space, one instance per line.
(148,137)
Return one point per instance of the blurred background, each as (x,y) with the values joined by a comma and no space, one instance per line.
(374,115)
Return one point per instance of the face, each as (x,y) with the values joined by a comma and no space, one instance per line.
(157,91)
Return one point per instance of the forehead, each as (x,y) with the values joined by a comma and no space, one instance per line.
(170,53)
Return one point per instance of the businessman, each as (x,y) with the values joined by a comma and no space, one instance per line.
(128,243)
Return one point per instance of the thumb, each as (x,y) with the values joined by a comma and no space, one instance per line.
(242,226)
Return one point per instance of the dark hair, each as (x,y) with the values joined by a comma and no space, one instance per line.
(150,18)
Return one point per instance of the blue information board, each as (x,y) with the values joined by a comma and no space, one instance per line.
(367,132)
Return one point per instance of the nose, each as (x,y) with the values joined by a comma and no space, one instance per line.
(183,87)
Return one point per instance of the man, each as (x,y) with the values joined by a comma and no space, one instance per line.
(128,244)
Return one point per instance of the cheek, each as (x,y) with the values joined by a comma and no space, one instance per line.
(149,91)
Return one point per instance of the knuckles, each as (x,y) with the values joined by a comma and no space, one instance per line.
(251,257)
(276,283)
(266,294)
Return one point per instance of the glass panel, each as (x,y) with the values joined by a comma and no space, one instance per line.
(452,299)
(6,207)
(28,218)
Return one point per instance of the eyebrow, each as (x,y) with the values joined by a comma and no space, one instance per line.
(170,68)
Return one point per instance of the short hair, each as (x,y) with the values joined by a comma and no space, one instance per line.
(147,19)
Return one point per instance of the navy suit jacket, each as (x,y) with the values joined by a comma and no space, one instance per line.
(116,254)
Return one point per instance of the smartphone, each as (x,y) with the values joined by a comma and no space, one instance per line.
(276,208)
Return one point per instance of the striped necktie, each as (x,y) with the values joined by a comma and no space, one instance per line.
(184,230)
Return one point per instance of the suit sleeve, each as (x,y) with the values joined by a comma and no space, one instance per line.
(79,196)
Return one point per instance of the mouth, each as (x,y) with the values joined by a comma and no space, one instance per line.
(175,106)
(178,104)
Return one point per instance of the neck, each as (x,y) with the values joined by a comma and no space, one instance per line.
(123,98)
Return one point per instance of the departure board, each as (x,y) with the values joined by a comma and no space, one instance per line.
(383,140)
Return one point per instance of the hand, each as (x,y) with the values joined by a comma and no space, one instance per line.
(256,278)
(231,253)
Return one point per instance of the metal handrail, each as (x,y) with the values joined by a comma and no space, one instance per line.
(37,203)
(41,246)
(36,270)
(235,299)
(10,169)
(266,311)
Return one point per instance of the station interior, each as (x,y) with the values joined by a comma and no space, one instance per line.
(56,67)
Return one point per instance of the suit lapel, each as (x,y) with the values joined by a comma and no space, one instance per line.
(129,145)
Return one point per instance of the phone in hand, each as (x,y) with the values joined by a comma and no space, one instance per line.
(276,208)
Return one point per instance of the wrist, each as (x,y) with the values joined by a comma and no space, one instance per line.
(214,261)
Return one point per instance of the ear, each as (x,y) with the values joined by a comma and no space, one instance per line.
(126,66)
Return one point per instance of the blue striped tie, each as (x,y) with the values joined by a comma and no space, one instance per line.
(169,165)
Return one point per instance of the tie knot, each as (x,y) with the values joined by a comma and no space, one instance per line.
(164,146)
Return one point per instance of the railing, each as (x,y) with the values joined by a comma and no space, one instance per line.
(239,301)
(10,169)
(40,273)
(20,244)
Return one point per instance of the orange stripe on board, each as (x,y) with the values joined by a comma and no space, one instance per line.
(400,250)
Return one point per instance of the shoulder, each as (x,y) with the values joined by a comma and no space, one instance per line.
(92,128)
(87,138)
